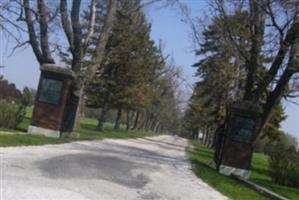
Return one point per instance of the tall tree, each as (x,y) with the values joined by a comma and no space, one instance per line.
(273,34)
(231,45)
(129,64)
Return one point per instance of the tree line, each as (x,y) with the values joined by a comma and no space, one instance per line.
(135,78)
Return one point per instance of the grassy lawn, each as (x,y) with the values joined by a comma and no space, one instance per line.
(88,131)
(261,175)
(201,156)
(25,140)
(17,137)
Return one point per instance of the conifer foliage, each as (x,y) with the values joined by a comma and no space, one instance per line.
(132,79)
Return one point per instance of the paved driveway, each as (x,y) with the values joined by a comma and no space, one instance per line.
(149,168)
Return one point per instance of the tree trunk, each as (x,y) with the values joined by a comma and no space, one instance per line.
(152,124)
(211,139)
(118,118)
(33,39)
(206,137)
(195,134)
(257,32)
(149,122)
(136,120)
(142,123)
(79,109)
(103,115)
(146,120)
(128,121)
(156,127)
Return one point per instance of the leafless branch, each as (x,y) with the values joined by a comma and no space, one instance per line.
(11,34)
(268,10)
(43,23)
(66,24)
(292,101)
(31,31)
(17,47)
(226,27)
(91,24)
(102,41)
(279,58)
(11,22)
(54,15)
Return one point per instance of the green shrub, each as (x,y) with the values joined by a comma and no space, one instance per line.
(284,164)
(11,113)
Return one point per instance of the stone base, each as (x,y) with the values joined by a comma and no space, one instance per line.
(227,170)
(70,134)
(43,131)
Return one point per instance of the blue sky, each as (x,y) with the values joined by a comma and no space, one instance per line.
(23,70)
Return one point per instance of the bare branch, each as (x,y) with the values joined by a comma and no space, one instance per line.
(268,10)
(11,22)
(66,24)
(31,31)
(280,56)
(41,7)
(54,15)
(280,88)
(11,34)
(18,46)
(91,25)
(102,41)
(77,35)
(291,101)
(226,26)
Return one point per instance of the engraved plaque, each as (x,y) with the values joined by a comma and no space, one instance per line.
(50,91)
(243,129)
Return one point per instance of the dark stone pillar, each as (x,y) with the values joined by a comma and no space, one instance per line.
(53,102)
(239,135)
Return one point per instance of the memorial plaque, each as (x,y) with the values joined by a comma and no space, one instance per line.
(243,129)
(50,91)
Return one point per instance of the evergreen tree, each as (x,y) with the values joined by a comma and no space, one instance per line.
(131,61)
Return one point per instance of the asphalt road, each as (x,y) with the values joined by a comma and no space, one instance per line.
(148,168)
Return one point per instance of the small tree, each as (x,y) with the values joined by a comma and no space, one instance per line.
(130,63)
(28,96)
(12,109)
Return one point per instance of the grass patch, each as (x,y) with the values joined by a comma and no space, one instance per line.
(87,131)
(201,156)
(261,175)
(26,140)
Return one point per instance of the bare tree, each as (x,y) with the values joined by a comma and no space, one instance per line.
(274,33)
(37,29)
(38,21)
(73,31)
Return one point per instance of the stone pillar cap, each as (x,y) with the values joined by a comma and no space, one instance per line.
(59,69)
(247,105)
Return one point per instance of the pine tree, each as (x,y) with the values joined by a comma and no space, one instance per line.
(130,62)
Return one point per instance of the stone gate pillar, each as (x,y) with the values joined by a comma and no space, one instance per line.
(52,100)
(237,147)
